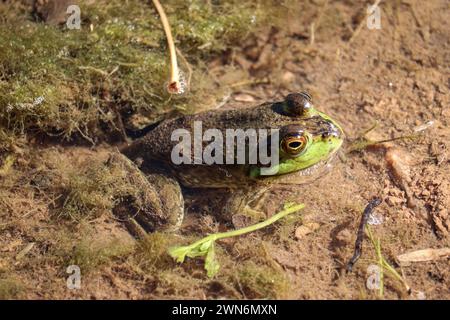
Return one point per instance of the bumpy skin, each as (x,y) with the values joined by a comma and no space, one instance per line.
(293,116)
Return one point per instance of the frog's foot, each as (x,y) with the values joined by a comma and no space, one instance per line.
(243,207)
(145,203)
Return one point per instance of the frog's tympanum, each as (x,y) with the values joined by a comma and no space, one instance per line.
(306,140)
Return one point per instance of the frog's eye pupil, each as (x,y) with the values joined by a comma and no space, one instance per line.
(295,145)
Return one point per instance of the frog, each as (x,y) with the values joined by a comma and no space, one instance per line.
(307,141)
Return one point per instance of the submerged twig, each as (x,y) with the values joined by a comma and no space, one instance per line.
(360,235)
(95,70)
(175,85)
(362,142)
(249,82)
(312,31)
(417,20)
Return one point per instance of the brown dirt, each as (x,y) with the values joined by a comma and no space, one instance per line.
(397,76)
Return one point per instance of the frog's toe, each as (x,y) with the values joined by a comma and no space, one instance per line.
(135,228)
(137,209)
(247,216)
(238,208)
(171,209)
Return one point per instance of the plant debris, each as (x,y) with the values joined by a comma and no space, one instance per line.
(423,255)
(360,234)
(205,246)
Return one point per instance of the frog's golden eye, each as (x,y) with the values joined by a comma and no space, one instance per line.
(294,144)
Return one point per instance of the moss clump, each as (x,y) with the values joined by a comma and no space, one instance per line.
(10,289)
(261,281)
(151,258)
(92,187)
(87,248)
(151,252)
(68,82)
(256,275)
(89,254)
(87,192)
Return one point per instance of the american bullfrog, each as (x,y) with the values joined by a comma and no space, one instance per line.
(306,141)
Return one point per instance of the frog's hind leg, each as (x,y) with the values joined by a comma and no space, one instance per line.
(145,203)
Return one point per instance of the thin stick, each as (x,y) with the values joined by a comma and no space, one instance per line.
(247,82)
(174,85)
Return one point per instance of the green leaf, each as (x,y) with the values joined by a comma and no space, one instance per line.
(211,264)
(178,253)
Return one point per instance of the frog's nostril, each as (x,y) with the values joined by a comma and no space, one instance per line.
(331,130)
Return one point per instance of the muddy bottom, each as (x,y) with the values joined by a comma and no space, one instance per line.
(393,78)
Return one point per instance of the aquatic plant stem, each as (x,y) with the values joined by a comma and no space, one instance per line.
(174,85)
(205,246)
(384,265)
(257,226)
(238,232)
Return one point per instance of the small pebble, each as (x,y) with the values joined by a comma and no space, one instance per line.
(420,295)
(288,77)
(243,97)
(375,219)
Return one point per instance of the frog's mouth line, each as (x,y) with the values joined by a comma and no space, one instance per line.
(306,175)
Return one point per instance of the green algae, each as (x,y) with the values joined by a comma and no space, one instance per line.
(88,83)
